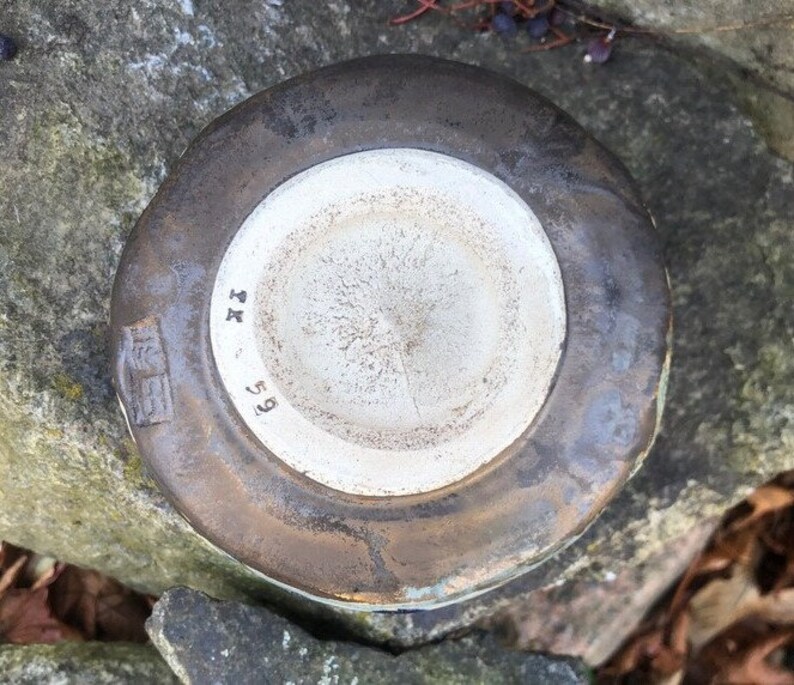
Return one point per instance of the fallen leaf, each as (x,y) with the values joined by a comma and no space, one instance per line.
(121,615)
(777,607)
(101,607)
(10,575)
(732,612)
(764,500)
(74,596)
(742,655)
(721,603)
(26,618)
(678,633)
(648,655)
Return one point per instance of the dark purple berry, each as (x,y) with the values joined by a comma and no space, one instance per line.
(508,7)
(504,25)
(599,50)
(538,26)
(8,48)
(557,17)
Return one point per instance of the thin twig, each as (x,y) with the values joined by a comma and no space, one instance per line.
(734,27)
(527,9)
(531,14)
(765,21)
(425,6)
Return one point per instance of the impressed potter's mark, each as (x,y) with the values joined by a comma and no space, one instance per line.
(236,314)
(389,321)
(147,388)
(268,404)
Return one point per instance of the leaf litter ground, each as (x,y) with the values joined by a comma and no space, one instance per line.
(730,617)
(44,601)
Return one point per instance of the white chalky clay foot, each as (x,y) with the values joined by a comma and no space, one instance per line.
(389,321)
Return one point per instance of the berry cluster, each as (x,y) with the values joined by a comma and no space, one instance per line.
(510,17)
(548,23)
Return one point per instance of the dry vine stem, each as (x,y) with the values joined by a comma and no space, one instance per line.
(739,26)
(526,7)
(528,10)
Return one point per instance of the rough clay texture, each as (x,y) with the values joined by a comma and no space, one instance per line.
(759,45)
(97,107)
(83,663)
(206,641)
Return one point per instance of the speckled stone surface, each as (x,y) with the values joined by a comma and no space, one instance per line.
(83,663)
(98,106)
(206,641)
(755,39)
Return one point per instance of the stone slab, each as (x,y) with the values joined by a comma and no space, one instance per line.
(206,641)
(83,663)
(754,42)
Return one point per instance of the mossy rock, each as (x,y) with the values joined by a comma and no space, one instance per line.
(83,663)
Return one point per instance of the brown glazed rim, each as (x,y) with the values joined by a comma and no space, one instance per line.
(415,551)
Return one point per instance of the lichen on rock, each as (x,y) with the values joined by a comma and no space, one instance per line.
(83,663)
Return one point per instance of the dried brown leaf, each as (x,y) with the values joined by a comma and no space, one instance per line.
(785,578)
(26,618)
(42,600)
(678,633)
(649,654)
(777,607)
(636,654)
(667,661)
(733,607)
(73,597)
(121,616)
(10,574)
(764,500)
(99,606)
(705,564)
(740,545)
(741,655)
(719,604)
(724,551)
(9,554)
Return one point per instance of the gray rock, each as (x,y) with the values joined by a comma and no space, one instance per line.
(592,619)
(83,663)
(757,38)
(206,641)
(100,102)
